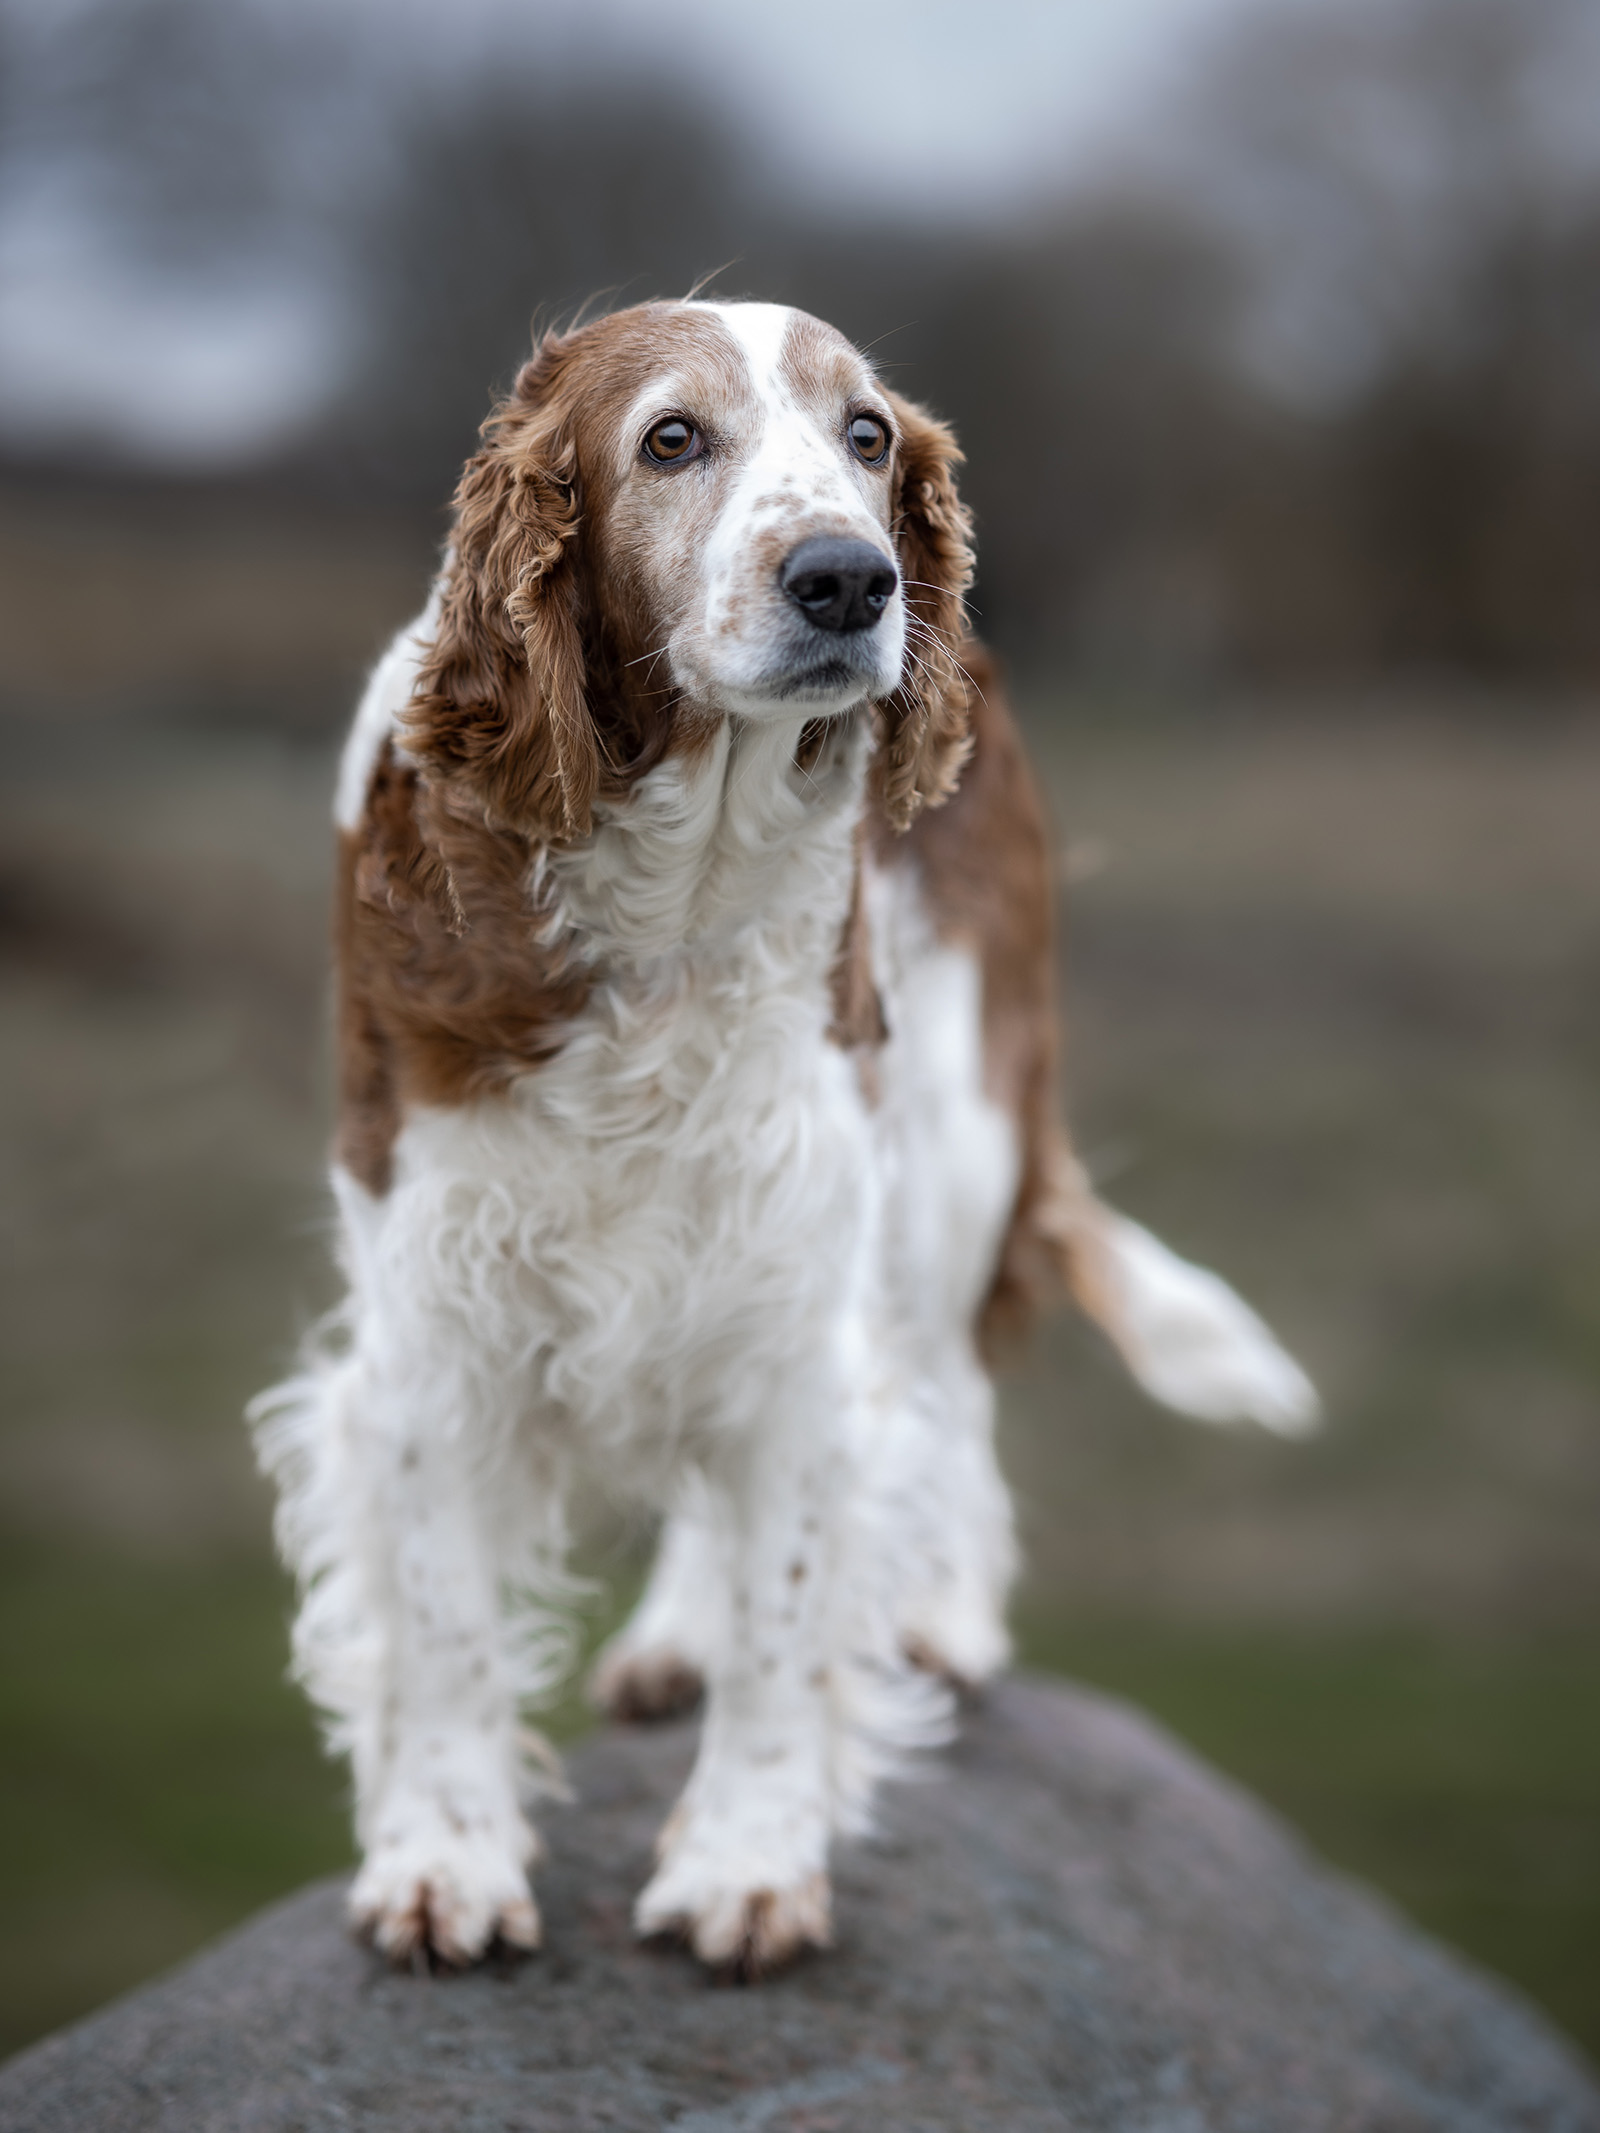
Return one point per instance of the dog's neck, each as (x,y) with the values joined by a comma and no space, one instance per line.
(719,843)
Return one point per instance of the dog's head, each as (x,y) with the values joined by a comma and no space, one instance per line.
(685,511)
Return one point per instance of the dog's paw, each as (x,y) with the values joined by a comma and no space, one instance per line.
(432,1883)
(964,1665)
(734,1923)
(640,1684)
(958,1635)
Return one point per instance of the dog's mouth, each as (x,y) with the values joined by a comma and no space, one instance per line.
(803,670)
(831,678)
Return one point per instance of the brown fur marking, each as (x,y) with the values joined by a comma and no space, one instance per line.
(444,996)
(857,1004)
(985,870)
(926,720)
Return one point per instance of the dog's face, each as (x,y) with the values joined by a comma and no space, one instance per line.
(703,508)
(745,488)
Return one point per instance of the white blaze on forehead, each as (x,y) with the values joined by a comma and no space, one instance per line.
(760,330)
(792,450)
(796,468)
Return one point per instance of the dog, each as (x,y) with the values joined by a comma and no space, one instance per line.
(697,1132)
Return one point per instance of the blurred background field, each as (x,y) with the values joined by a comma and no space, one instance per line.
(1275,343)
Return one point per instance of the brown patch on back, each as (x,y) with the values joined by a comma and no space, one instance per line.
(444,993)
(985,865)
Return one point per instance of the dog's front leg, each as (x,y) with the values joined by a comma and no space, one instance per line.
(743,1872)
(446,1844)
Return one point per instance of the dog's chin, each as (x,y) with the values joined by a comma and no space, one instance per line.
(832,685)
(812,688)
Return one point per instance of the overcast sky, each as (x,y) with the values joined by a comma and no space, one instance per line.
(945,108)
(969,110)
(932,104)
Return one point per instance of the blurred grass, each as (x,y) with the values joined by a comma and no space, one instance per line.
(160,1778)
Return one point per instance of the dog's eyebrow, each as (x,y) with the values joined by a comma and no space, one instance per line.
(669,394)
(815,360)
(706,399)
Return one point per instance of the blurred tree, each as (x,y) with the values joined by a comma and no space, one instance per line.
(511,200)
(190,142)
(1415,190)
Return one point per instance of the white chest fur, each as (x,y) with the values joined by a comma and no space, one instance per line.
(691,1180)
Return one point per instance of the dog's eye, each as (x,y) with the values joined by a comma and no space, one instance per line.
(672,441)
(869,439)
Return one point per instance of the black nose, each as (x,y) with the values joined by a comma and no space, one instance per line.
(840,585)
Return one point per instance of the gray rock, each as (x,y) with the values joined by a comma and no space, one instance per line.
(1067,1923)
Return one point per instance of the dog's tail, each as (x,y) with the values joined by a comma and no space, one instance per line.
(1188,1339)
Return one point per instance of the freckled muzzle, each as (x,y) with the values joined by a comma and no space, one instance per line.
(839,585)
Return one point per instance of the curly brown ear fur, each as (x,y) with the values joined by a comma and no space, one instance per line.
(925,721)
(501,700)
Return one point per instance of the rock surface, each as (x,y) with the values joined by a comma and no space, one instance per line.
(1069,1923)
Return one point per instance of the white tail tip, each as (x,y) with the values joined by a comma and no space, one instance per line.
(1191,1342)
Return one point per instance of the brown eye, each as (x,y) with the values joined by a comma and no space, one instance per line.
(672,441)
(869,439)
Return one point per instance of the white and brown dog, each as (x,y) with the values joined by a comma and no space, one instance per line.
(698,1132)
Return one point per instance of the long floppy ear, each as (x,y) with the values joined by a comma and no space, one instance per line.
(501,700)
(926,720)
